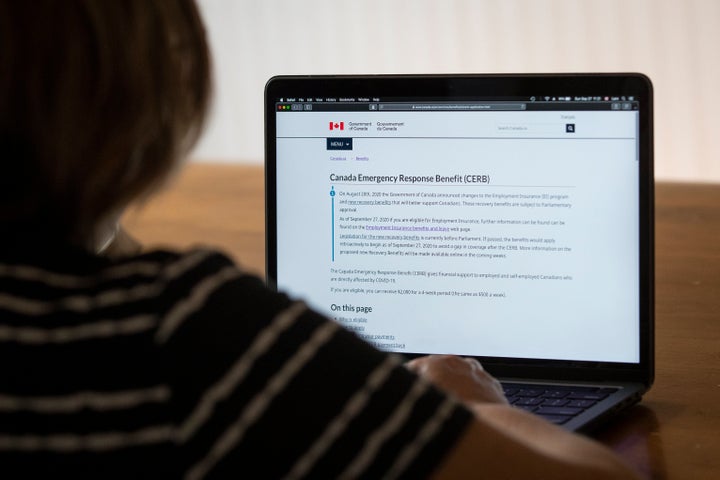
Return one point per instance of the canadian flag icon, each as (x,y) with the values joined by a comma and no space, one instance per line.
(337,125)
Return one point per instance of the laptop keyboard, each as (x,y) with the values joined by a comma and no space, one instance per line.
(557,404)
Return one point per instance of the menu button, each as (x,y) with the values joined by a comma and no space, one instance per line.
(339,143)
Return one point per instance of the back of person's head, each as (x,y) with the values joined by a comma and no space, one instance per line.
(98,101)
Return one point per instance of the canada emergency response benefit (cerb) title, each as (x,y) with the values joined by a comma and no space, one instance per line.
(411,179)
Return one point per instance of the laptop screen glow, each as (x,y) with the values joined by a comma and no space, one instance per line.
(474,228)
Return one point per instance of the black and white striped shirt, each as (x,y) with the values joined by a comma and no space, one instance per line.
(171,365)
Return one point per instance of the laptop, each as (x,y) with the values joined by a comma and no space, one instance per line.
(503,217)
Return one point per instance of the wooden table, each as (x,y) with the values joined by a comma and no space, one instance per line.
(674,433)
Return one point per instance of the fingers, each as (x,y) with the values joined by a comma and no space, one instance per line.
(443,360)
(462,376)
(474,364)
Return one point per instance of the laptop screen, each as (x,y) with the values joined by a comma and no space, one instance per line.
(488,225)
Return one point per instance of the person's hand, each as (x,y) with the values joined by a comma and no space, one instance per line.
(462,377)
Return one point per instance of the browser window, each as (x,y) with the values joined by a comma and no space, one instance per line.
(406,220)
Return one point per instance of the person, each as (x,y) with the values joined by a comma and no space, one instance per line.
(124,363)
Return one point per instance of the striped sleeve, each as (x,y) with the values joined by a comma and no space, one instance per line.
(81,395)
(255,376)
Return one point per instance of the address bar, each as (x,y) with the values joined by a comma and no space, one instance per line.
(469,106)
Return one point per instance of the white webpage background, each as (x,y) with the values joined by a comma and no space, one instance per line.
(576,304)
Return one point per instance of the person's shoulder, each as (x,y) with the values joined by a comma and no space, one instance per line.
(192,263)
(203,289)
(197,256)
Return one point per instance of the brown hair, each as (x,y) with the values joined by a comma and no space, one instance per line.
(98,101)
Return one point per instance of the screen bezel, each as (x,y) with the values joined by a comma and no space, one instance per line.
(498,85)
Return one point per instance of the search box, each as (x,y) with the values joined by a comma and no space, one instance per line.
(532,128)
